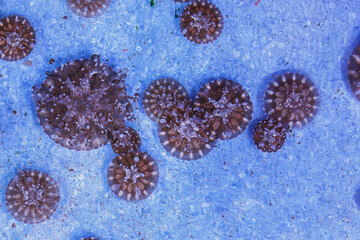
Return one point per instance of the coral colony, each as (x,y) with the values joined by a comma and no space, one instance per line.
(17,38)
(354,72)
(88,8)
(83,105)
(291,100)
(32,196)
(187,129)
(201,22)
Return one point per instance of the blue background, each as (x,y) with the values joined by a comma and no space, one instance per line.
(307,190)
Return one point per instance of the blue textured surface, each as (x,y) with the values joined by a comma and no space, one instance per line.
(307,190)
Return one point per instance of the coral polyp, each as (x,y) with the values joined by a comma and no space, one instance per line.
(354,72)
(201,22)
(162,96)
(32,196)
(88,8)
(226,105)
(133,176)
(79,102)
(17,38)
(124,139)
(185,135)
(292,99)
(269,135)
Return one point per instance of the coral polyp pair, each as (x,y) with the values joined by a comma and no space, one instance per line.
(32,196)
(88,8)
(291,100)
(82,105)
(17,38)
(79,102)
(201,21)
(188,129)
(133,174)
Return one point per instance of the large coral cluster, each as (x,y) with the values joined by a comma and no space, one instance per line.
(188,129)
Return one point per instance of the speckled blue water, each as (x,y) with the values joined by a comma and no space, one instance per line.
(307,190)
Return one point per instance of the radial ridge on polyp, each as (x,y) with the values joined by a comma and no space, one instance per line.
(226,106)
(292,99)
(32,196)
(80,101)
(269,135)
(162,96)
(354,72)
(88,8)
(133,176)
(17,38)
(201,22)
(185,134)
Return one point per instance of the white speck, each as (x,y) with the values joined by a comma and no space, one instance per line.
(241,174)
(236,53)
(352,16)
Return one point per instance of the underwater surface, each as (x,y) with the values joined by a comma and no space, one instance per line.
(308,189)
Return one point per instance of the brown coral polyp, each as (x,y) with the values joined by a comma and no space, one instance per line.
(162,96)
(292,99)
(133,176)
(17,38)
(354,72)
(269,135)
(88,8)
(80,101)
(226,106)
(32,196)
(201,22)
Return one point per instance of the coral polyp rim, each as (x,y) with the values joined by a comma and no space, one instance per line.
(32,196)
(292,99)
